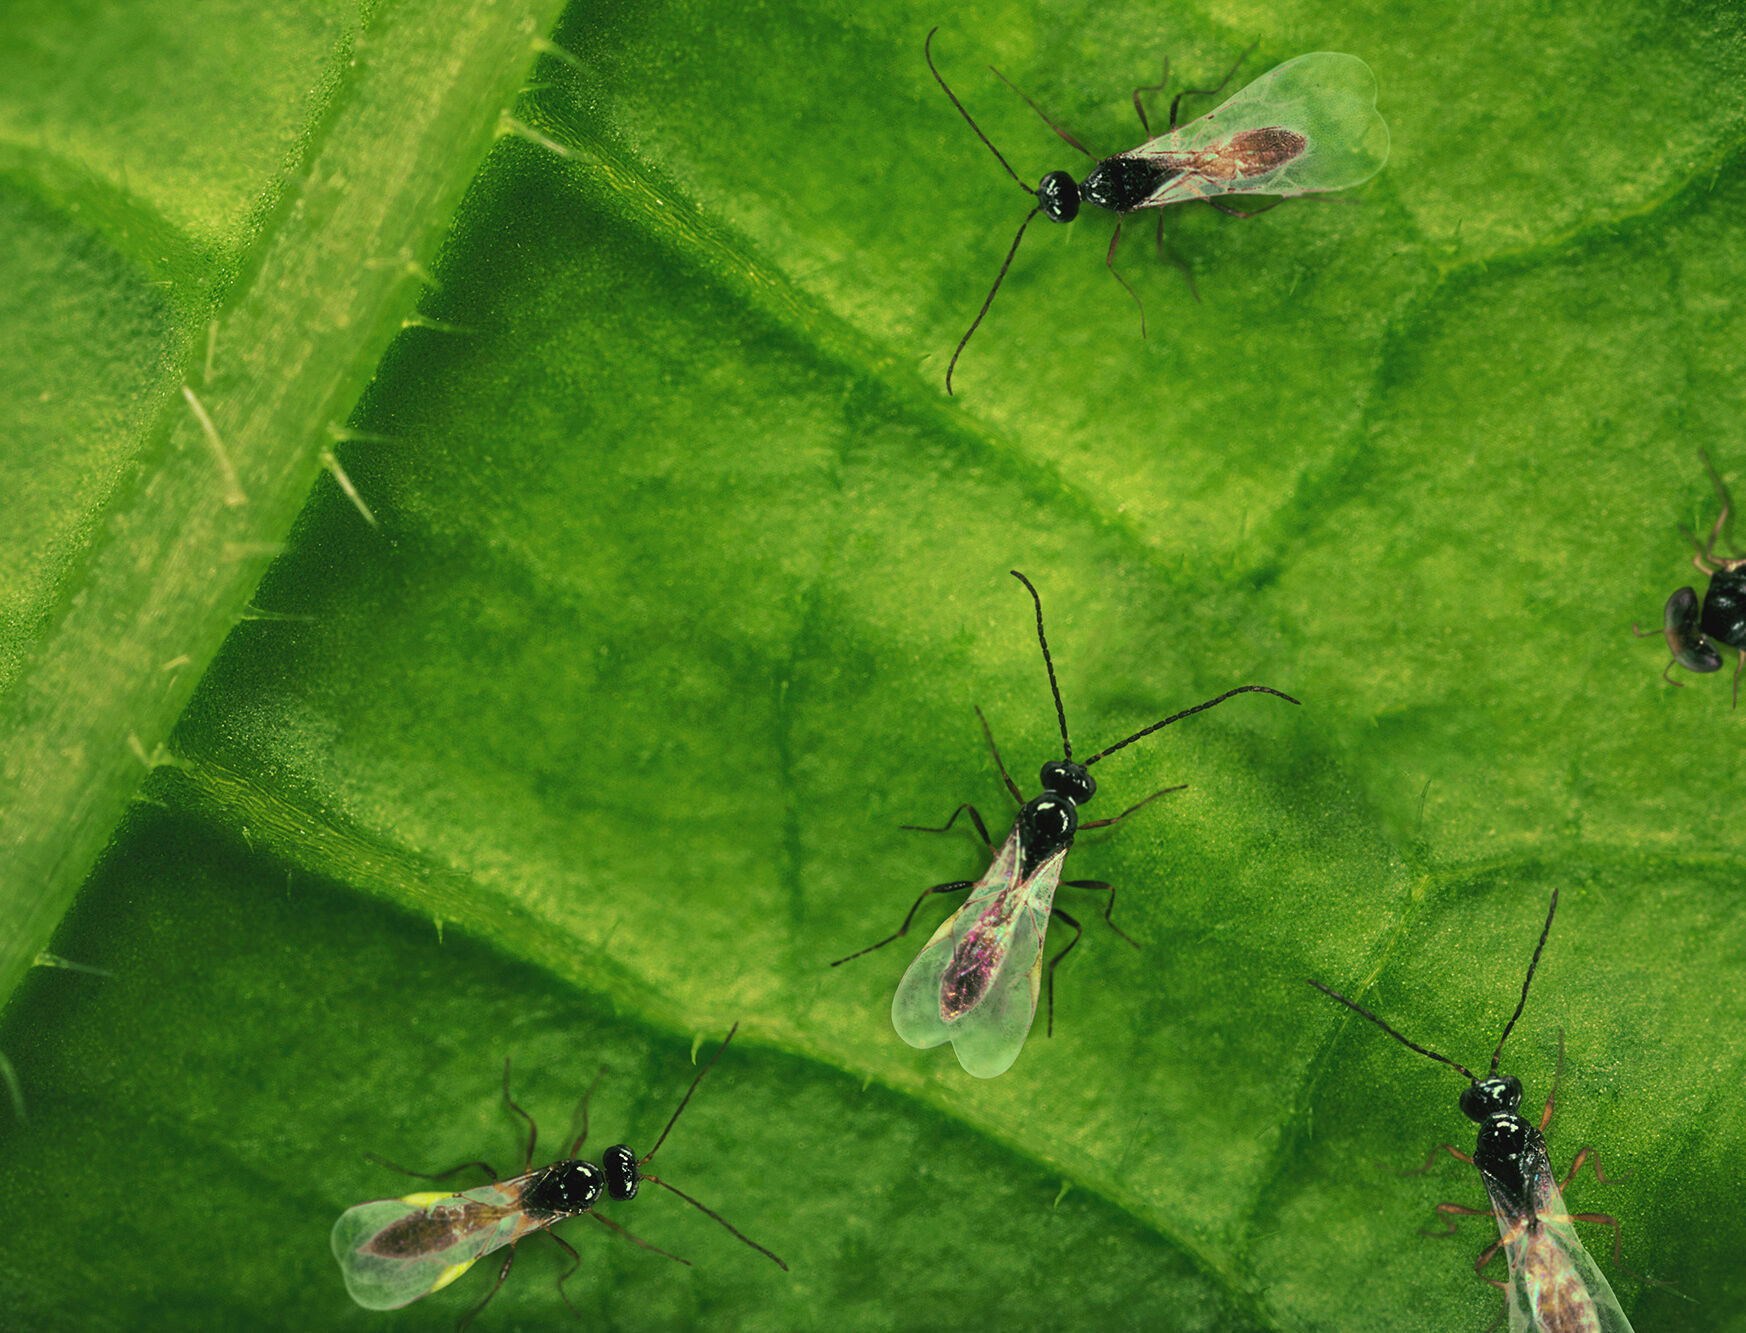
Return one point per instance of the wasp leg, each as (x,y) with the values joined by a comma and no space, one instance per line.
(1608,1220)
(1449,1148)
(903,930)
(432,1175)
(1055,962)
(1242,212)
(581,1111)
(1158,87)
(1485,1257)
(1450,1211)
(1100,886)
(975,818)
(1109,263)
(533,1130)
(575,1263)
(1177,260)
(1176,105)
(1605,1220)
(1601,1177)
(502,1275)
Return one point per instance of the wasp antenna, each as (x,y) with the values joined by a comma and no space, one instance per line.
(928,52)
(1410,1045)
(1526,982)
(710,1212)
(1060,712)
(1715,477)
(687,1097)
(1722,519)
(1190,712)
(1039,110)
(989,299)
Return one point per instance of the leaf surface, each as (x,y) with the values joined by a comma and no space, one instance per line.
(688,575)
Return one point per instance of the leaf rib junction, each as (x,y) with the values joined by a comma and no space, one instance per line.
(298,339)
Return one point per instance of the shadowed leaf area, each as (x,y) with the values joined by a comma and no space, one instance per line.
(686,579)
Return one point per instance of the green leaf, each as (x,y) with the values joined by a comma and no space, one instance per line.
(688,575)
(153,507)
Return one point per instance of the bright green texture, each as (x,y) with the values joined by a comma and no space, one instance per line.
(688,576)
(154,508)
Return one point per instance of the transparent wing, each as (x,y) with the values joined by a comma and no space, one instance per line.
(976,982)
(915,1009)
(989,1037)
(1250,145)
(392,1251)
(1554,1283)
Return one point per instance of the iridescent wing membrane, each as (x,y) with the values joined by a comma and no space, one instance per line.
(1554,1286)
(1306,126)
(392,1251)
(976,983)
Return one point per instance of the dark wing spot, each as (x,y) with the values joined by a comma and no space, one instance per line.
(425,1233)
(966,979)
(1267,149)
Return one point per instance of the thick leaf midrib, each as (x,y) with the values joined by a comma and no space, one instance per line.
(159,584)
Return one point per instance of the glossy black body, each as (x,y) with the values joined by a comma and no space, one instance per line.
(1511,1152)
(1511,1155)
(1724,616)
(1049,820)
(1058,197)
(1121,184)
(622,1176)
(564,1189)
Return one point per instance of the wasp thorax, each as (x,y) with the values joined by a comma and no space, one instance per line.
(1058,197)
(1046,826)
(1068,779)
(1122,184)
(1724,614)
(566,1187)
(622,1176)
(1497,1095)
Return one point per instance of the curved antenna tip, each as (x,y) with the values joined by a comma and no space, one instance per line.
(1048,661)
(1190,712)
(1527,981)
